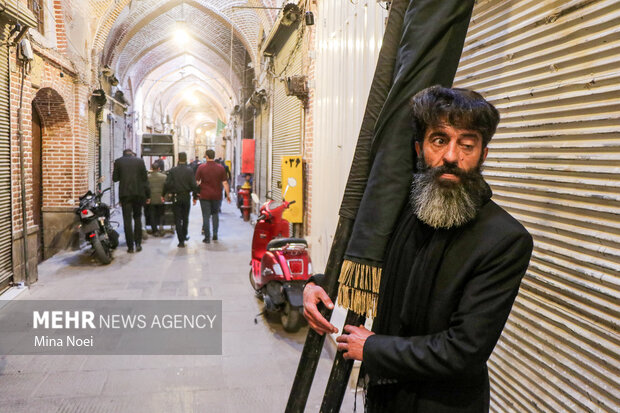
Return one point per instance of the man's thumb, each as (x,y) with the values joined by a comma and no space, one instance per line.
(326,300)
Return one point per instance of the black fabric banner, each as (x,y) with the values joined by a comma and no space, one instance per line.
(429,50)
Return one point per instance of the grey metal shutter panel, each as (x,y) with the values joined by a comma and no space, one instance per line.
(287,112)
(552,70)
(6,237)
(262,150)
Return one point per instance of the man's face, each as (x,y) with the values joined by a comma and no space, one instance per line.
(445,145)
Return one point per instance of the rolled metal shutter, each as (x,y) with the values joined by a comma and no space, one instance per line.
(6,237)
(262,150)
(552,70)
(287,111)
(14,11)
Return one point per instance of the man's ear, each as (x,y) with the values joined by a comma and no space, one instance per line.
(418,150)
(484,154)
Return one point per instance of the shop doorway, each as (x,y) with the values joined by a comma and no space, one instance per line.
(37,179)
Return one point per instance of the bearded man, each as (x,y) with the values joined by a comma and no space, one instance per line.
(451,273)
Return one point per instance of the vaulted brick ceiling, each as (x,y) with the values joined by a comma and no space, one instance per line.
(152,64)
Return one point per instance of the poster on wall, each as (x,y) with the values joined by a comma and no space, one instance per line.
(247,156)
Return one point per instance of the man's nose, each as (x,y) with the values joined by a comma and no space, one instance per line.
(451,154)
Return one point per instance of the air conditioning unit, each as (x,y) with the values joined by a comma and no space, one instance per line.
(297,86)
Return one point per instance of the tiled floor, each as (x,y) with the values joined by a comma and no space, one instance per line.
(254,373)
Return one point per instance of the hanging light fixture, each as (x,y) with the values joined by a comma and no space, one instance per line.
(181,33)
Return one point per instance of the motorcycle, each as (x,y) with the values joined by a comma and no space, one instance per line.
(95,225)
(280,265)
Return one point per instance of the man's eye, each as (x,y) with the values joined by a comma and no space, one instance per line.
(439,141)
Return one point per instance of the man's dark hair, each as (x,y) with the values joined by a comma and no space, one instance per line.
(127,152)
(182,157)
(210,154)
(158,165)
(461,108)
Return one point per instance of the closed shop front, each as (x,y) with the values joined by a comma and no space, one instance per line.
(551,68)
(8,17)
(6,264)
(287,129)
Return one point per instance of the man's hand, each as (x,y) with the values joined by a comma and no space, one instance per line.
(352,344)
(163,200)
(228,198)
(194,201)
(148,201)
(313,294)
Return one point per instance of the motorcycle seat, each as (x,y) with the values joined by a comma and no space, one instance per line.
(281,242)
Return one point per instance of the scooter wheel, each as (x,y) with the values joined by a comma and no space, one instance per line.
(291,318)
(257,292)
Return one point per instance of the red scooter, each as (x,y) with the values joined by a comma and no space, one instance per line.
(280,265)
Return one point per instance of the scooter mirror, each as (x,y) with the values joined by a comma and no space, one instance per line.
(292,182)
(101,179)
(255,198)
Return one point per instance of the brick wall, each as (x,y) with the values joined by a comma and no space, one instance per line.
(60,101)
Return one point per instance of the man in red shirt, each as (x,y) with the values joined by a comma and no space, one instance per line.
(211,177)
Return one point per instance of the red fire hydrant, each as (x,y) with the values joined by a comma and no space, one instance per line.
(245,204)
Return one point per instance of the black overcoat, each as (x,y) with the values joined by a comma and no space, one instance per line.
(441,367)
(131,174)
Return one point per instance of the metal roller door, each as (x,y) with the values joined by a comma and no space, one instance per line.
(6,262)
(287,112)
(11,12)
(93,146)
(551,68)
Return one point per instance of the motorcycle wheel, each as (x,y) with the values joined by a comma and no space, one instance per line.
(290,317)
(103,253)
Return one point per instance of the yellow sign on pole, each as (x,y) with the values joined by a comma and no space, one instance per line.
(293,188)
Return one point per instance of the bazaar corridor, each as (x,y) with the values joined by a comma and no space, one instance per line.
(254,373)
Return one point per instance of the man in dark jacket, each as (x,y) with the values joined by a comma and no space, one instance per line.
(451,273)
(131,174)
(181,183)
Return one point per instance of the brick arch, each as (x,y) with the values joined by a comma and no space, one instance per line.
(243,25)
(56,135)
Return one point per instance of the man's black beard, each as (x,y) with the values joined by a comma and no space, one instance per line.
(441,203)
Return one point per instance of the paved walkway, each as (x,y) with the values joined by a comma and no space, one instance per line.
(254,373)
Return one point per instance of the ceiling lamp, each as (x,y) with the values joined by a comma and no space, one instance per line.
(191,98)
(181,36)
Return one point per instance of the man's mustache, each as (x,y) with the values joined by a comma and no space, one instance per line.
(447,168)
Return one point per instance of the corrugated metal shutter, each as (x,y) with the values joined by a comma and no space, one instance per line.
(287,111)
(105,153)
(551,68)
(262,150)
(6,262)
(349,36)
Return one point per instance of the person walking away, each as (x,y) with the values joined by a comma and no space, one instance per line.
(181,183)
(211,178)
(130,172)
(195,164)
(156,202)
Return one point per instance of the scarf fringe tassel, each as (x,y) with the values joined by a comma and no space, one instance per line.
(359,288)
